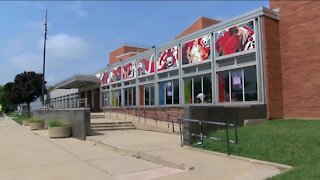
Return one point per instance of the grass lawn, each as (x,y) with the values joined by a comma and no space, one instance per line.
(18,118)
(292,142)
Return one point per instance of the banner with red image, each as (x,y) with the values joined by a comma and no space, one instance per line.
(129,70)
(235,39)
(168,59)
(196,50)
(145,66)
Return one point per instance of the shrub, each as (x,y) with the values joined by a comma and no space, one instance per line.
(58,123)
(35,120)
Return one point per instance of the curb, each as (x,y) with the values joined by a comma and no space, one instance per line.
(141,155)
(282,167)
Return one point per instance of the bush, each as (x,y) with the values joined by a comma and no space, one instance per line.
(35,120)
(58,123)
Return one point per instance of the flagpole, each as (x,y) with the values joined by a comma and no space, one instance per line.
(44,60)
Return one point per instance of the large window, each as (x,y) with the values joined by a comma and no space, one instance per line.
(146,94)
(238,85)
(130,96)
(198,89)
(116,97)
(105,99)
(169,92)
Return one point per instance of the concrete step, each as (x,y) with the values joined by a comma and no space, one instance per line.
(97,116)
(110,125)
(112,128)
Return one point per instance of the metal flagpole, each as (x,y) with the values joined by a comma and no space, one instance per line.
(44,60)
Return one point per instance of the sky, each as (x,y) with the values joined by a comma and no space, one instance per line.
(82,33)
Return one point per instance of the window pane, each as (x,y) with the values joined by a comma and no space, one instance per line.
(250,83)
(134,96)
(236,85)
(161,93)
(197,85)
(223,82)
(207,88)
(129,96)
(146,95)
(152,95)
(225,62)
(126,100)
(169,92)
(141,95)
(176,91)
(187,90)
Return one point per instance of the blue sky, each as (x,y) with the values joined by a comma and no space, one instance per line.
(82,33)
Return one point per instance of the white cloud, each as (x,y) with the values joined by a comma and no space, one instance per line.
(64,46)
(77,8)
(27,61)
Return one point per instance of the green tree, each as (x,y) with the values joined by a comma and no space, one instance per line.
(7,105)
(26,88)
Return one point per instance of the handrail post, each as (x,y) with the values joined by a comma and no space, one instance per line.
(139,113)
(145,118)
(236,134)
(172,126)
(201,135)
(227,132)
(181,138)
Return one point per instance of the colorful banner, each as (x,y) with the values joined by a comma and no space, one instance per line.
(129,70)
(145,66)
(235,39)
(196,50)
(168,59)
(104,78)
(115,75)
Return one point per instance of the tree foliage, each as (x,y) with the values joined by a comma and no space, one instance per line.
(26,88)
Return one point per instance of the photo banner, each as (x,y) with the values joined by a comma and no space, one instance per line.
(104,78)
(196,50)
(129,70)
(235,39)
(168,59)
(145,66)
(115,75)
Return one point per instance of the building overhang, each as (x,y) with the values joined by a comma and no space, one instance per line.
(78,81)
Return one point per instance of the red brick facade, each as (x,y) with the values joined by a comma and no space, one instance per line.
(201,23)
(124,52)
(272,68)
(300,55)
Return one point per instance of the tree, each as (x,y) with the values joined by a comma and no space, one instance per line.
(6,103)
(26,88)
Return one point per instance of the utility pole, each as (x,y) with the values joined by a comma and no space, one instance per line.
(44,60)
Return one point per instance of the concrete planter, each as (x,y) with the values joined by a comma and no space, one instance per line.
(36,125)
(25,123)
(59,132)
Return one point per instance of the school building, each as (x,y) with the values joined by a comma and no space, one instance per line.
(260,64)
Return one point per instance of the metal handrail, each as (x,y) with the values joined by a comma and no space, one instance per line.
(227,126)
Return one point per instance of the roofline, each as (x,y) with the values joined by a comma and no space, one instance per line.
(261,11)
(72,78)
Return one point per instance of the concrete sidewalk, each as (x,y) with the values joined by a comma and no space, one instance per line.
(26,154)
(165,149)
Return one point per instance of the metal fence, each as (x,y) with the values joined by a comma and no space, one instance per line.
(143,114)
(226,126)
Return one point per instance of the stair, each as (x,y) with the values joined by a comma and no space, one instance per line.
(109,126)
(97,116)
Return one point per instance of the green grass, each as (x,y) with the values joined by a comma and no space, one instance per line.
(292,142)
(58,123)
(17,117)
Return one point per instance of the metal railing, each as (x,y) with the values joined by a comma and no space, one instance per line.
(201,135)
(157,114)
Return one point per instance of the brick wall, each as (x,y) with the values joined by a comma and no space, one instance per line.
(201,23)
(272,68)
(113,56)
(300,56)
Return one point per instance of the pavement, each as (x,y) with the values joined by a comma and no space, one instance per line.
(125,154)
